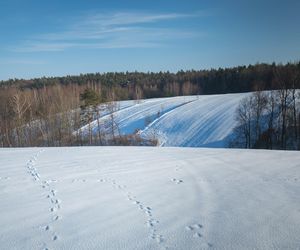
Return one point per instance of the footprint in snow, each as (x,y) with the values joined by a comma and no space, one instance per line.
(193,227)
(197,235)
(152,222)
(196,230)
(52,209)
(198,226)
(159,238)
(177,181)
(55,218)
(53,192)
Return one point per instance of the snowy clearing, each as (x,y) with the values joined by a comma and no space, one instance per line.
(185,121)
(149,198)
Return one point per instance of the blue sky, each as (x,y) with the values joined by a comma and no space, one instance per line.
(56,38)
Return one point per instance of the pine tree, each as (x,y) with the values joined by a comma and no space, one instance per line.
(91,99)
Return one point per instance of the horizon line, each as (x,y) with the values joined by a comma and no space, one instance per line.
(156,72)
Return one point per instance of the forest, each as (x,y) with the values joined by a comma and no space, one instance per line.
(46,111)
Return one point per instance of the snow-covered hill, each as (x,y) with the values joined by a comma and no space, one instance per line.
(149,198)
(189,121)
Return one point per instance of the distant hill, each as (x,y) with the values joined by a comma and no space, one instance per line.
(187,121)
(45,111)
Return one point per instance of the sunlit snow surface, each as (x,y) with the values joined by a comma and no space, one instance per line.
(149,198)
(186,121)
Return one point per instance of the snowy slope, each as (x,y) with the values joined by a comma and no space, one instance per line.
(149,198)
(206,122)
(194,121)
(132,115)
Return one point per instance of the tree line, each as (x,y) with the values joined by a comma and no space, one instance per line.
(134,85)
(53,116)
(271,119)
(46,111)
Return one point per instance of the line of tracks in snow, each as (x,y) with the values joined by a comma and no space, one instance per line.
(51,195)
(152,222)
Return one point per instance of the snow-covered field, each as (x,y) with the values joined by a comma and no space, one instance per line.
(186,121)
(149,198)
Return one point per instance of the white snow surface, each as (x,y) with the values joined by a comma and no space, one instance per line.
(149,198)
(185,121)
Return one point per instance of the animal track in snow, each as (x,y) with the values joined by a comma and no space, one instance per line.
(51,193)
(55,207)
(177,181)
(196,230)
(151,222)
(189,228)
(52,209)
(30,166)
(193,227)
(159,238)
(101,180)
(197,226)
(197,235)
(79,180)
(56,217)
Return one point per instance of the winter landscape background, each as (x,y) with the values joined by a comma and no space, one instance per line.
(149,124)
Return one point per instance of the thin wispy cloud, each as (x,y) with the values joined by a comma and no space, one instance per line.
(112,30)
(123,18)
